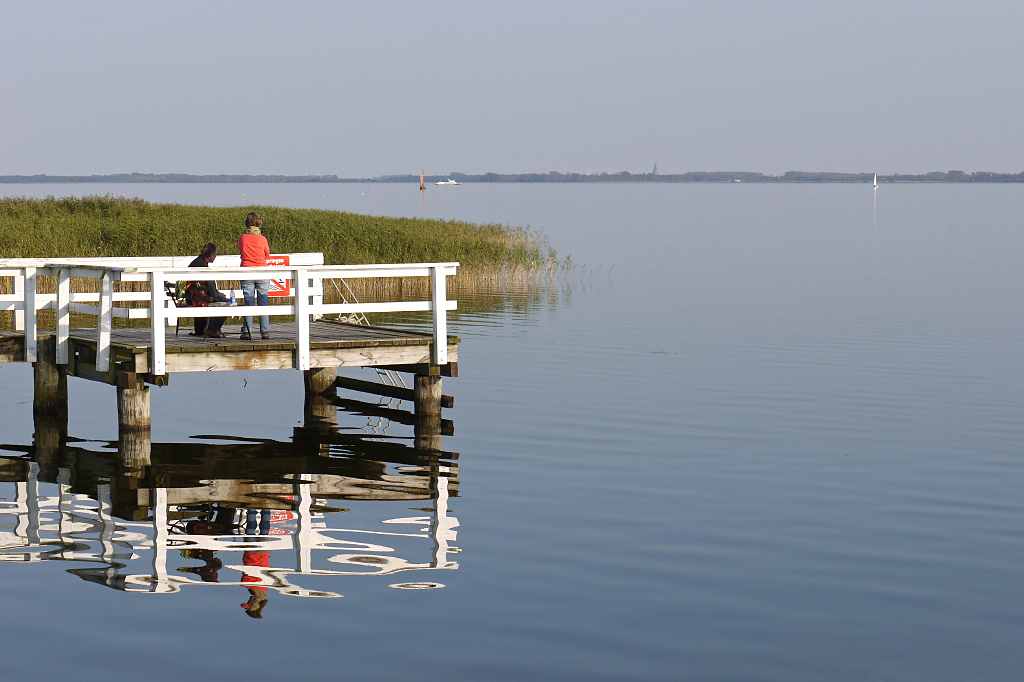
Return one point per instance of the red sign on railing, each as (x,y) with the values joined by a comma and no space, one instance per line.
(280,286)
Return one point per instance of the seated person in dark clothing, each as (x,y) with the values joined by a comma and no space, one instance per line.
(203,293)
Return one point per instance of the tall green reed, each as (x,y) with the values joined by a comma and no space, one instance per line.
(113,226)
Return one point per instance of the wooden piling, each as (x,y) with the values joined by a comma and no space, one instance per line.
(134,423)
(133,408)
(50,396)
(320,380)
(319,409)
(427,405)
(427,395)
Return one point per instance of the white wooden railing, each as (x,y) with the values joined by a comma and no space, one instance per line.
(306,272)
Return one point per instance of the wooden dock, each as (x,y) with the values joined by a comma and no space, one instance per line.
(135,358)
(332,344)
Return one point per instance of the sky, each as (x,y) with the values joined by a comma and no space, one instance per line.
(363,89)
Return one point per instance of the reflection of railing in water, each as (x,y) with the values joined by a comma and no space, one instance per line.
(278,531)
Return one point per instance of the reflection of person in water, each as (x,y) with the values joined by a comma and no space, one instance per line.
(221,523)
(256,521)
(257,595)
(208,571)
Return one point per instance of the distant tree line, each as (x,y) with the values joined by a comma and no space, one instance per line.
(168,177)
(551,176)
(713,176)
(556,176)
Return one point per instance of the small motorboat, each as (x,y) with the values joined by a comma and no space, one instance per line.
(449,181)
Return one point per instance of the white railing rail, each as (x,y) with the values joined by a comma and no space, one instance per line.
(307,282)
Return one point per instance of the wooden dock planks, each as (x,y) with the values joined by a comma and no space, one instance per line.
(332,344)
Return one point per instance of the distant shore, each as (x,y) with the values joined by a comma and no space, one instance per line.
(553,176)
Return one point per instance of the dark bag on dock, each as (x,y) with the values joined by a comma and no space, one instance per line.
(195,295)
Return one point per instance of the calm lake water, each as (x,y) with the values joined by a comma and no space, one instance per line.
(763,433)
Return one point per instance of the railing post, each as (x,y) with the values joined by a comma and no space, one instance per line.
(439,298)
(31,325)
(19,290)
(302,293)
(318,297)
(172,310)
(157,361)
(105,322)
(63,314)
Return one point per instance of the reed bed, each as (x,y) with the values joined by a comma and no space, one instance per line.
(111,226)
(493,257)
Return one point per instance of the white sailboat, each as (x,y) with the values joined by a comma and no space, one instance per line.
(876,180)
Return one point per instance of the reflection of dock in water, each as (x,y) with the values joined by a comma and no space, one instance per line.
(265,515)
(261,514)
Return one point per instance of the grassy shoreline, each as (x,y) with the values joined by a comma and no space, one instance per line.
(111,226)
(493,257)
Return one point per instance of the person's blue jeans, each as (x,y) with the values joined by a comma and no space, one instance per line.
(256,292)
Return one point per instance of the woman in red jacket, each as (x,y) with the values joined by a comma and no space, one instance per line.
(255,250)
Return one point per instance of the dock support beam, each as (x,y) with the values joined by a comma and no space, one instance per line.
(134,425)
(319,409)
(427,405)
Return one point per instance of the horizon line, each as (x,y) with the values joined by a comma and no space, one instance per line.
(549,176)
